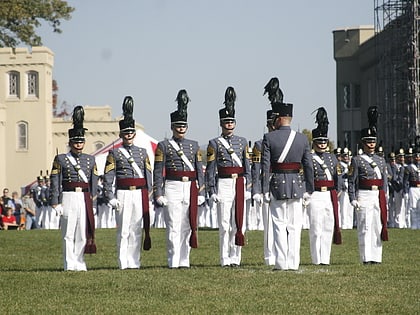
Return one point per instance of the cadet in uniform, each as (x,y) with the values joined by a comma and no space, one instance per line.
(324,223)
(257,196)
(285,153)
(178,186)
(412,188)
(346,209)
(129,168)
(74,179)
(229,182)
(394,187)
(399,195)
(367,191)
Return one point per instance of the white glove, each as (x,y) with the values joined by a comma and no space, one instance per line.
(257,198)
(58,210)
(115,204)
(267,197)
(247,195)
(201,200)
(214,198)
(306,199)
(355,204)
(94,211)
(162,201)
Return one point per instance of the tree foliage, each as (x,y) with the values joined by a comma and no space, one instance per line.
(19,20)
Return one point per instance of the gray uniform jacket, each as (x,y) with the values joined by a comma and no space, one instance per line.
(360,169)
(286,185)
(118,167)
(411,175)
(218,156)
(63,172)
(333,166)
(167,158)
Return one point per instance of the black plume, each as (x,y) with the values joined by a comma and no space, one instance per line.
(373,117)
(275,94)
(182,100)
(322,120)
(230,98)
(78,116)
(127,107)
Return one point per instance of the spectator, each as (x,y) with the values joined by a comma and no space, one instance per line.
(9,220)
(5,199)
(28,204)
(17,203)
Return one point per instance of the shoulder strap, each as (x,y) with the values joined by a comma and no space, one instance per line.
(287,146)
(323,165)
(230,150)
(77,167)
(181,154)
(131,161)
(373,165)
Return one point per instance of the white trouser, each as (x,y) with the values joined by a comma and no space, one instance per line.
(287,228)
(54,219)
(178,229)
(414,207)
(73,230)
(104,215)
(269,257)
(346,211)
(251,216)
(229,252)
(369,226)
(400,210)
(129,228)
(260,220)
(321,229)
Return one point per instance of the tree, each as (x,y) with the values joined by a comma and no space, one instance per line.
(19,20)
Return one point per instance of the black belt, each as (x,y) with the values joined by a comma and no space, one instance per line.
(76,189)
(323,188)
(373,187)
(130,187)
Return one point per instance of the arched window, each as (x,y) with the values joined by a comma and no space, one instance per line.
(98,145)
(22,136)
(14,86)
(32,83)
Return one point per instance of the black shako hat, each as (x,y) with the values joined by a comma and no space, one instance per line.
(180,115)
(77,133)
(370,133)
(228,112)
(321,131)
(127,124)
(282,109)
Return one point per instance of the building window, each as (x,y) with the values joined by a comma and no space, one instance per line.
(14,84)
(22,136)
(33,83)
(357,96)
(346,96)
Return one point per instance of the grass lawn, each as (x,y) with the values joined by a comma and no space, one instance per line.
(32,280)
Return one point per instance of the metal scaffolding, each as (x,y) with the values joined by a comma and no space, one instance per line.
(397,72)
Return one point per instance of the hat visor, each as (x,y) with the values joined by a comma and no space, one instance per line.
(128,130)
(77,139)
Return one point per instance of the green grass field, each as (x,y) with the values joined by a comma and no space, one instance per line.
(32,280)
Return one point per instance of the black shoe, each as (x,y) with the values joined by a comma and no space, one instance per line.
(234,265)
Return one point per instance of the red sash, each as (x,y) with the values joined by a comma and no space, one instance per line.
(239,211)
(90,247)
(193,214)
(337,233)
(384,219)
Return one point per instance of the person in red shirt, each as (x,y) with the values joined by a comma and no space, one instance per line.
(9,220)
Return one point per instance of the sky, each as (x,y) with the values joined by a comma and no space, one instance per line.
(151,49)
